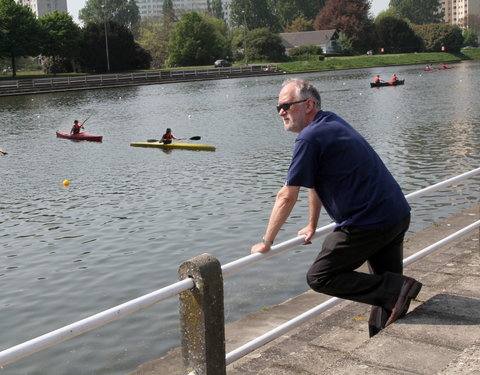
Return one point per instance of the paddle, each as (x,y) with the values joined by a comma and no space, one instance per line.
(3,152)
(195,138)
(85,120)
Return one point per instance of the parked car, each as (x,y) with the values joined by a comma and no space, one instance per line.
(222,63)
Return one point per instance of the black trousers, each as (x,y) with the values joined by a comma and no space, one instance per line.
(344,250)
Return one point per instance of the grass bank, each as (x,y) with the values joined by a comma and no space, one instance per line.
(364,61)
(330,63)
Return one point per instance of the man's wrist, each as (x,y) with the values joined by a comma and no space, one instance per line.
(268,243)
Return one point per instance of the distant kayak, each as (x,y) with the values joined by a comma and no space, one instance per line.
(80,136)
(439,68)
(171,146)
(382,84)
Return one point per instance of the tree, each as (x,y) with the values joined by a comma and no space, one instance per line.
(419,12)
(168,12)
(262,45)
(62,36)
(300,24)
(194,40)
(435,36)
(470,38)
(344,44)
(215,8)
(254,14)
(121,47)
(390,12)
(395,35)
(265,45)
(20,32)
(153,36)
(123,12)
(289,10)
(350,17)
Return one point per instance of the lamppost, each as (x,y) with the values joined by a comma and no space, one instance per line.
(106,37)
(245,37)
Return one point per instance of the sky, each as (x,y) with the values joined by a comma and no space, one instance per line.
(74,7)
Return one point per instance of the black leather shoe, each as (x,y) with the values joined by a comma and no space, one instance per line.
(378,318)
(409,291)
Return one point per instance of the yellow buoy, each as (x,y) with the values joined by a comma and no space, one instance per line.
(66,182)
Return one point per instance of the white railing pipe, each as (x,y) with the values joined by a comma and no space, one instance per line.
(412,196)
(280,330)
(295,322)
(70,331)
(244,262)
(241,263)
(420,254)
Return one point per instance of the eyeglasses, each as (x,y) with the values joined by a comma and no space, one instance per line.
(286,106)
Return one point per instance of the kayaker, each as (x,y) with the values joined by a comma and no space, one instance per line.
(394,78)
(76,127)
(377,79)
(167,137)
(344,174)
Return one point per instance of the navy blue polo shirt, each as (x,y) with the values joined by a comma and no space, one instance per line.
(351,180)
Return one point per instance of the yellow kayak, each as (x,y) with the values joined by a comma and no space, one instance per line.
(179,145)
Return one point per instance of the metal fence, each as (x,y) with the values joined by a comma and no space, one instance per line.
(201,304)
(83,82)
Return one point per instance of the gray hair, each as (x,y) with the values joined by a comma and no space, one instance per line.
(305,90)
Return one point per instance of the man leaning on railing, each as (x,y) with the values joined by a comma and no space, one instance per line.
(345,175)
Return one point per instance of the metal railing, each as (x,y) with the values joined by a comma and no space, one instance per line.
(188,284)
(126,79)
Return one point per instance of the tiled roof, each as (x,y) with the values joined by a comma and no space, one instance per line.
(317,38)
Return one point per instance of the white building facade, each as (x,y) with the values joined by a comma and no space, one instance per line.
(42,7)
(154,7)
(457,11)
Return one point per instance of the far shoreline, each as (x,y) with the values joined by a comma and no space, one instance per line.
(26,84)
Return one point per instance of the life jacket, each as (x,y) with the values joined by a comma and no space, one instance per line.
(76,128)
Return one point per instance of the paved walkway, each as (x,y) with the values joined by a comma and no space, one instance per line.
(439,336)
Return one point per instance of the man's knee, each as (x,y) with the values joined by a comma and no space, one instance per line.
(318,281)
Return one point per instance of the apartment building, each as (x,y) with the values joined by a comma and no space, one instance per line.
(42,7)
(458,11)
(154,7)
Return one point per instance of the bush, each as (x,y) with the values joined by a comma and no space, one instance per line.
(395,35)
(470,38)
(262,45)
(59,65)
(142,58)
(435,36)
(305,50)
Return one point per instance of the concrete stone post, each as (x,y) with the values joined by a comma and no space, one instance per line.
(202,320)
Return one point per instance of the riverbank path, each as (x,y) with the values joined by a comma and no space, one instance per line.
(439,336)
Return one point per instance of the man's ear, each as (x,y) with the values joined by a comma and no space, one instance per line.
(310,105)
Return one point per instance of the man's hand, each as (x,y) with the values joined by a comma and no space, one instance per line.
(308,232)
(260,248)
